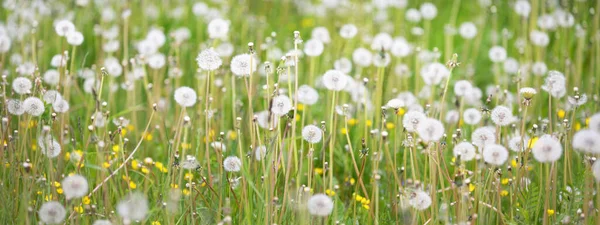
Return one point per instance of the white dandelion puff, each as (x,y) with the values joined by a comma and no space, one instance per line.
(420,200)
(596,170)
(218,29)
(312,134)
(335,80)
(134,207)
(33,106)
(586,140)
(185,96)
(555,84)
(281,105)
(465,150)
(232,164)
(313,47)
(240,65)
(209,60)
(74,186)
(412,119)
(547,149)
(22,85)
(495,154)
(52,212)
(320,205)
(502,116)
(15,107)
(497,54)
(217,145)
(483,136)
(594,123)
(430,130)
(307,95)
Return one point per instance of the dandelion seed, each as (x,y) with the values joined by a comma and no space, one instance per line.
(281,105)
(335,80)
(539,68)
(49,146)
(344,65)
(362,57)
(312,134)
(113,66)
(240,65)
(218,29)
(209,60)
(539,38)
(232,164)
(587,140)
(74,186)
(185,96)
(495,154)
(483,136)
(433,73)
(430,130)
(313,47)
(133,207)
(15,107)
(33,106)
(64,27)
(497,54)
(516,143)
(413,15)
(467,30)
(348,31)
(420,200)
(321,34)
(156,61)
(555,84)
(400,47)
(52,213)
(382,41)
(74,38)
(320,205)
(428,11)
(465,150)
(522,8)
(502,116)
(52,77)
(22,85)
(462,87)
(260,152)
(547,149)
(412,120)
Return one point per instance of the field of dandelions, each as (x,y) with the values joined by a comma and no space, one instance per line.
(300,112)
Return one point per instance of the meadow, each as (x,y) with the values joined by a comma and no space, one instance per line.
(165,112)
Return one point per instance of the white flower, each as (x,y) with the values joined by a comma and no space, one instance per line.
(190,163)
(471,116)
(467,30)
(362,57)
(113,67)
(74,186)
(502,116)
(33,106)
(52,212)
(483,136)
(313,47)
(420,200)
(312,134)
(75,38)
(185,96)
(511,66)
(516,143)
(430,130)
(547,149)
(495,154)
(539,68)
(209,60)
(22,85)
(218,29)
(343,64)
(587,140)
(61,106)
(63,27)
(465,150)
(413,15)
(263,120)
(433,73)
(555,84)
(49,146)
(462,87)
(232,164)
(5,43)
(428,11)
(412,119)
(51,96)
(334,80)
(281,105)
(133,207)
(156,61)
(321,34)
(51,77)
(320,205)
(382,59)
(452,116)
(15,107)
(401,47)
(260,152)
(497,54)
(240,65)
(539,38)
(546,22)
(217,145)
(382,41)
(522,8)
(59,60)
(564,18)
(395,103)
(348,31)
(26,69)
(307,95)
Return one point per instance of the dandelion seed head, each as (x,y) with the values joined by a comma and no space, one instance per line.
(430,130)
(462,87)
(307,95)
(74,186)
(281,105)
(260,152)
(156,61)
(547,149)
(594,123)
(320,205)
(64,27)
(511,66)
(539,68)
(5,43)
(382,40)
(348,31)
(185,96)
(343,64)
(218,29)
(502,116)
(321,34)
(596,170)
(313,47)
(428,11)
(74,38)
(335,80)
(412,120)
(495,154)
(51,77)
(52,212)
(400,47)
(217,145)
(362,57)
(413,15)
(516,143)
(22,85)
(33,106)
(15,107)
(483,136)
(522,8)
(539,38)
(586,140)
(133,207)
(232,164)
(467,30)
(420,200)
(555,84)
(312,134)
(190,162)
(209,60)
(466,151)
(497,54)
(240,65)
